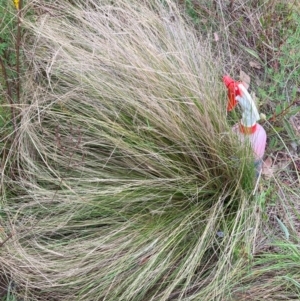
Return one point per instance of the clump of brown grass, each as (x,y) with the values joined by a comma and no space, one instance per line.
(130,184)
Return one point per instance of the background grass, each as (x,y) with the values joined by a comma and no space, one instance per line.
(260,38)
(115,191)
(7,64)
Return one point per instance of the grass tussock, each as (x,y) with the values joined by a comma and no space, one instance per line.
(130,185)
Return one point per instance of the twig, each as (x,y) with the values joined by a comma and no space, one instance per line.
(18,43)
(5,240)
(283,112)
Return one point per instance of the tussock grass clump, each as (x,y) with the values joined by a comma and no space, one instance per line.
(131,186)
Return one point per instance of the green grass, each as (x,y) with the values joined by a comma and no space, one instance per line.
(9,81)
(5,55)
(126,182)
(261,32)
(273,276)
